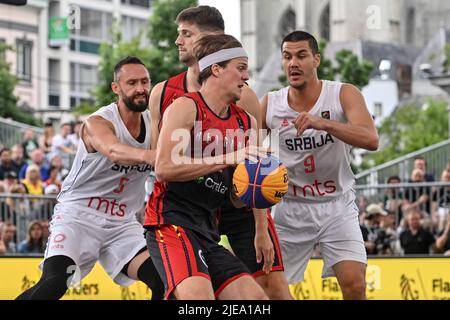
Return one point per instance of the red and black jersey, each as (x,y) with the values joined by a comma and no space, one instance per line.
(173,88)
(192,204)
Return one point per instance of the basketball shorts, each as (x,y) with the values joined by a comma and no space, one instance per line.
(179,253)
(333,225)
(87,238)
(239,227)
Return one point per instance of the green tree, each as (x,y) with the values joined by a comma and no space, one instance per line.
(161,57)
(351,69)
(325,70)
(409,129)
(447,58)
(8,101)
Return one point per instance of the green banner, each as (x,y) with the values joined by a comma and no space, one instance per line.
(58,32)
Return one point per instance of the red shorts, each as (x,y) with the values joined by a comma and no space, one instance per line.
(180,253)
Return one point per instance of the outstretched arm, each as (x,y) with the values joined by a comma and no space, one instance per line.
(98,135)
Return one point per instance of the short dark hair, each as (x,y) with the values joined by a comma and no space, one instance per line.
(209,44)
(205,17)
(124,61)
(298,35)
(393,178)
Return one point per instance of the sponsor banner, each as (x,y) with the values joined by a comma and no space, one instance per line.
(387,279)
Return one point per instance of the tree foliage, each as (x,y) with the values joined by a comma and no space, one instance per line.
(411,128)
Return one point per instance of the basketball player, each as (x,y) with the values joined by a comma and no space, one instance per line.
(182,234)
(251,236)
(318,122)
(94,219)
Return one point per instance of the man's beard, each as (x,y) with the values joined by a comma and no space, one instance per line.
(136,107)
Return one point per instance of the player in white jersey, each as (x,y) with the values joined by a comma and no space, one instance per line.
(94,219)
(318,121)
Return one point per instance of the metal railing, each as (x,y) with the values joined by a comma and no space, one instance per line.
(437,157)
(11,132)
(21,209)
(393,197)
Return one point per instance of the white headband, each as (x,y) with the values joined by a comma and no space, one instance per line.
(220,56)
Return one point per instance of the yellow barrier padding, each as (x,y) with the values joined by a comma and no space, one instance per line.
(387,279)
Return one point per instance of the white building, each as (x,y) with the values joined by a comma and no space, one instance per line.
(56,78)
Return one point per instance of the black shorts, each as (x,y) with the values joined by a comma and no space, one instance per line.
(239,227)
(179,253)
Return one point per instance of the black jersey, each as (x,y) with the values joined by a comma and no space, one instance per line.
(193,204)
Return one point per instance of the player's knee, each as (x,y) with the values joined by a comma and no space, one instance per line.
(353,288)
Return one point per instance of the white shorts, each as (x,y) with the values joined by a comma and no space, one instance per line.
(88,238)
(333,225)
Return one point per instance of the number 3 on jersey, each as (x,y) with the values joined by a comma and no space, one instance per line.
(121,186)
(310,165)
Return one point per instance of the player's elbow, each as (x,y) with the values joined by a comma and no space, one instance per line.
(372,142)
(163,172)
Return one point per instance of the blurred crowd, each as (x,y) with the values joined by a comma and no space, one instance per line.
(408,220)
(36,168)
(404,220)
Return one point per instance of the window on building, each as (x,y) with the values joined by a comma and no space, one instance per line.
(131,27)
(23,51)
(54,82)
(83,78)
(287,23)
(95,27)
(377,109)
(3,53)
(140,3)
(325,23)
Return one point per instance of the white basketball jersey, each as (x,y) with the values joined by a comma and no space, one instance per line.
(96,184)
(318,164)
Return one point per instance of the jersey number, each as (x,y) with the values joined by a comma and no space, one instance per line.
(310,165)
(121,185)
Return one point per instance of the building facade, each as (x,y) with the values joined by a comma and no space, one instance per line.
(57,44)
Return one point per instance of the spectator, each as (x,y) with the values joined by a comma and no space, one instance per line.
(387,242)
(37,158)
(371,228)
(421,163)
(7,237)
(6,163)
(75,136)
(394,199)
(32,182)
(443,241)
(10,180)
(416,239)
(56,162)
(29,143)
(61,144)
(34,243)
(419,197)
(441,198)
(53,180)
(45,230)
(46,139)
(17,157)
